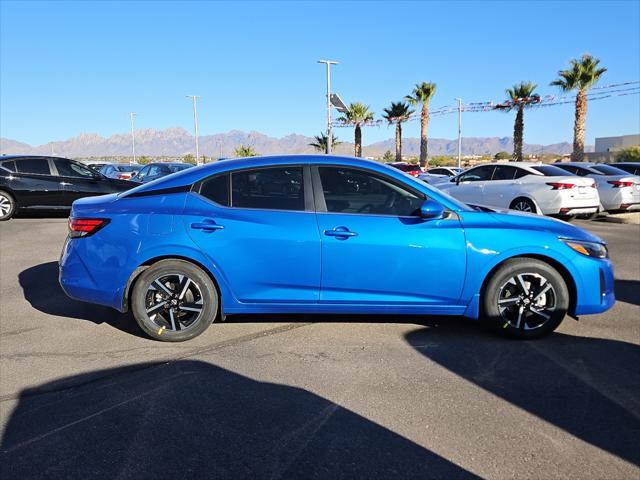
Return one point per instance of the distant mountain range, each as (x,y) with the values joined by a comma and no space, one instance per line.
(174,142)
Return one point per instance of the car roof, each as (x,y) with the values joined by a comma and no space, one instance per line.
(18,157)
(576,164)
(633,164)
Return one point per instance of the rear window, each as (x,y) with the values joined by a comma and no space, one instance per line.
(126,168)
(608,170)
(38,166)
(551,171)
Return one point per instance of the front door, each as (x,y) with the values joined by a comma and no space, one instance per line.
(261,234)
(469,186)
(377,250)
(78,181)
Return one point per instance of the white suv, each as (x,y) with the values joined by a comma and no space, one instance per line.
(529,187)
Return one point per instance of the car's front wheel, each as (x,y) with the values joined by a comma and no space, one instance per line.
(525,298)
(174,301)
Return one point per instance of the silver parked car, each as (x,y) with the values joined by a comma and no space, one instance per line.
(619,190)
(525,186)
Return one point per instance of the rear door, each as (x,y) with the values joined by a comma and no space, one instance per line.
(34,184)
(78,181)
(503,187)
(261,234)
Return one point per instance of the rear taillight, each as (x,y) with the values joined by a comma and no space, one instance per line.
(560,185)
(123,176)
(83,227)
(620,184)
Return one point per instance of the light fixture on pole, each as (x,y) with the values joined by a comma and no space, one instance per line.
(195,123)
(459,130)
(328,63)
(133,137)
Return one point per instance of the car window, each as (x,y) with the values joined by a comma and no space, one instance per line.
(143,172)
(71,169)
(156,170)
(504,172)
(551,170)
(9,165)
(216,189)
(477,174)
(279,188)
(439,171)
(608,170)
(578,171)
(33,165)
(355,191)
(178,168)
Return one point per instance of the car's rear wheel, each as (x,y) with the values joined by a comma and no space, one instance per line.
(523,204)
(174,301)
(525,298)
(7,206)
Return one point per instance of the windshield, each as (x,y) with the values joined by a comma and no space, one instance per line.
(551,171)
(609,170)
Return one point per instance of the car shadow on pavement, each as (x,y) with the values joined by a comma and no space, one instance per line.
(42,290)
(588,387)
(628,291)
(191,419)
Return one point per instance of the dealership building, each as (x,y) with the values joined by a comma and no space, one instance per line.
(606,147)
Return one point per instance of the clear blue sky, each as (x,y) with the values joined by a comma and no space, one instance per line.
(72,67)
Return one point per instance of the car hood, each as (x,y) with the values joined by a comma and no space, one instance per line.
(530,221)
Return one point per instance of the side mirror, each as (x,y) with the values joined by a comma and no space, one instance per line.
(431,210)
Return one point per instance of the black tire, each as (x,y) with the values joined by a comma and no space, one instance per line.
(172,311)
(523,204)
(518,317)
(7,206)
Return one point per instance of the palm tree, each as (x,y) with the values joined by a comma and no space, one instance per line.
(245,151)
(581,75)
(320,143)
(357,114)
(398,112)
(422,94)
(519,96)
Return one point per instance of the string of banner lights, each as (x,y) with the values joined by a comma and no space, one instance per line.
(535,101)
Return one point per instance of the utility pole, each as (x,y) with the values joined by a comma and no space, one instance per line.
(133,137)
(459,130)
(195,123)
(328,63)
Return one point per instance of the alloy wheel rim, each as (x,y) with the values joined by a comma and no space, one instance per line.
(526,301)
(523,207)
(5,205)
(174,302)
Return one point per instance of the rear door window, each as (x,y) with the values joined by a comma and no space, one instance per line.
(38,166)
(504,172)
(279,188)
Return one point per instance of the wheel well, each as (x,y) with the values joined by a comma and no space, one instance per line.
(10,193)
(522,197)
(126,301)
(566,276)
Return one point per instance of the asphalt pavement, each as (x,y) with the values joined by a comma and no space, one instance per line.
(83,394)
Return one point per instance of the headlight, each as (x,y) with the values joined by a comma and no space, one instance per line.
(590,249)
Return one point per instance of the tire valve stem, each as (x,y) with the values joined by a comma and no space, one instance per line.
(161,330)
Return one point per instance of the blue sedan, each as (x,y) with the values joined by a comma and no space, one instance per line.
(324,234)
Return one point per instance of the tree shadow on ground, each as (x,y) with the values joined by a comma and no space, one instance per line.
(588,387)
(190,419)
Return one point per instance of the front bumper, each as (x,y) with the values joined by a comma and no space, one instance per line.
(596,295)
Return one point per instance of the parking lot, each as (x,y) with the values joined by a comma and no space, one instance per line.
(85,395)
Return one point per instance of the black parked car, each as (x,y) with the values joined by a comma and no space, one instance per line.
(49,183)
(153,171)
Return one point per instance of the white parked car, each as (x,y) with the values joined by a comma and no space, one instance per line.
(619,190)
(529,187)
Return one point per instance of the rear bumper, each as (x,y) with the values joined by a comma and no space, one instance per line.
(578,210)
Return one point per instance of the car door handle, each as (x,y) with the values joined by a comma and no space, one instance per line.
(340,232)
(207,226)
(65,184)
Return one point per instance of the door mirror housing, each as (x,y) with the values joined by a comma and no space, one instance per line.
(431,210)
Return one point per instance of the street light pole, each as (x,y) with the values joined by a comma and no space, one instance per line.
(328,63)
(459,130)
(195,123)
(133,137)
